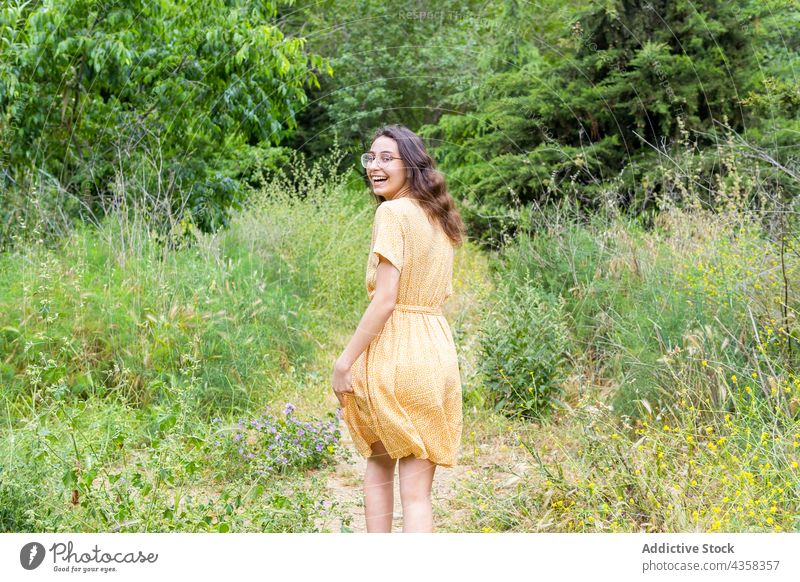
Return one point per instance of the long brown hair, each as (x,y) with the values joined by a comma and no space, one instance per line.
(426,182)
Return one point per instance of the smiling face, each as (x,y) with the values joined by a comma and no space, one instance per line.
(387,180)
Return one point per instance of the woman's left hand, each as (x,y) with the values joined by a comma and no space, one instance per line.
(342,382)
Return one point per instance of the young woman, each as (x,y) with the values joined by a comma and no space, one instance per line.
(398,379)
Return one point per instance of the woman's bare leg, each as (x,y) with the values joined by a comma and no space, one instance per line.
(379,490)
(416,480)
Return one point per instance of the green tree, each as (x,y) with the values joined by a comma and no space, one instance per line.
(393,62)
(593,109)
(198,90)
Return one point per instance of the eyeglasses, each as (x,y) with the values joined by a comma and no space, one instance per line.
(383,159)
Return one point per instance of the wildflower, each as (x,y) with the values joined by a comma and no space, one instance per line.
(289,409)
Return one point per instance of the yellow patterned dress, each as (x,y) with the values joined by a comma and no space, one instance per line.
(407,385)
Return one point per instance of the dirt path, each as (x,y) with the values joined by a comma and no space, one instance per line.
(345,486)
(491,459)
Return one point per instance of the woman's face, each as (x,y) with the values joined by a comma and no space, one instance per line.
(387,179)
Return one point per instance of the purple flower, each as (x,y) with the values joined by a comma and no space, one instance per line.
(301,432)
(319,447)
(289,409)
(237,436)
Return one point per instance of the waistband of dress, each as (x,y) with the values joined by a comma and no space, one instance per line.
(418,308)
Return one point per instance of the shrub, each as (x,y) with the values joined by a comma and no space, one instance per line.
(524,349)
(272,444)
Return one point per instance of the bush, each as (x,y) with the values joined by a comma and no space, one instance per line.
(524,351)
(272,444)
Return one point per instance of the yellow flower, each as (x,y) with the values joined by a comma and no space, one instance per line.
(705,362)
(733,378)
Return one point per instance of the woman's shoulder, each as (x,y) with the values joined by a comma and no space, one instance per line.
(404,206)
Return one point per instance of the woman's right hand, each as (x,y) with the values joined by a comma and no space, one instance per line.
(342,383)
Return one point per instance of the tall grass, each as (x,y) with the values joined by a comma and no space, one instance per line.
(682,411)
(128,348)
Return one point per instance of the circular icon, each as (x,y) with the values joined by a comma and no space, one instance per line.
(31,555)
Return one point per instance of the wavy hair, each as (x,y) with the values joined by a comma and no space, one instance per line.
(426,182)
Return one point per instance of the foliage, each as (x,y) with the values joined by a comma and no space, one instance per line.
(595,116)
(277,444)
(394,62)
(523,351)
(196,90)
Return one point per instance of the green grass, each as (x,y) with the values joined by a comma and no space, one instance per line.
(126,358)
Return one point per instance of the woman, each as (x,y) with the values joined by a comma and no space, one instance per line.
(398,379)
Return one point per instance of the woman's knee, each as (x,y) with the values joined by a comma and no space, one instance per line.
(416,480)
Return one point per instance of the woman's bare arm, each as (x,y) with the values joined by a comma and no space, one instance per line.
(387,283)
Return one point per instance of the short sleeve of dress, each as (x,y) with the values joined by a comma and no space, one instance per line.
(388,236)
